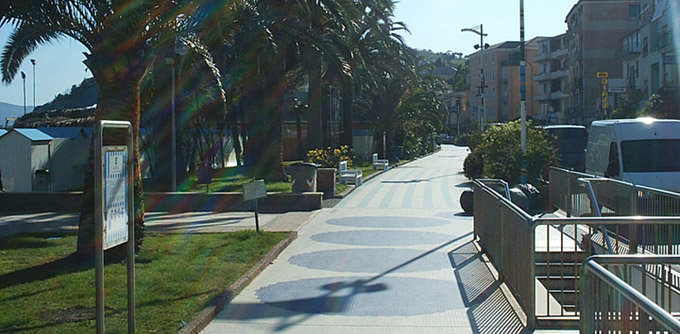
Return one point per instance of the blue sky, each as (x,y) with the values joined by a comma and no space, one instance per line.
(434,24)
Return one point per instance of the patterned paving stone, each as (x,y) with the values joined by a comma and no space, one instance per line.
(388,222)
(373,260)
(382,238)
(363,296)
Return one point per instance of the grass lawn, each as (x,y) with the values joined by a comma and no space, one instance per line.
(232,180)
(44,290)
(228,180)
(367,169)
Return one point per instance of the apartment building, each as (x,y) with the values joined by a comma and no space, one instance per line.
(649,55)
(552,78)
(595,31)
(494,77)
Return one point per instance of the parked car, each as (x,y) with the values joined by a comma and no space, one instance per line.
(642,151)
(570,142)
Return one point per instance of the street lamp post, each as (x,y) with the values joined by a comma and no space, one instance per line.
(522,93)
(23,78)
(33,61)
(173,126)
(481,46)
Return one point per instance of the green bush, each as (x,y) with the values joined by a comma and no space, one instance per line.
(498,154)
(473,166)
(331,157)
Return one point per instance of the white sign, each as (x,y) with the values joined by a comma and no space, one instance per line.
(254,190)
(116,215)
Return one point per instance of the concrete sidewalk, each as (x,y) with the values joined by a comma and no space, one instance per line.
(395,256)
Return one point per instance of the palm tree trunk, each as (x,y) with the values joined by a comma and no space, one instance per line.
(314,124)
(118,100)
(347,99)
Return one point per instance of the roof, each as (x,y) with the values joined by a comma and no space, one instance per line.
(639,120)
(2,132)
(33,134)
(70,132)
(563,126)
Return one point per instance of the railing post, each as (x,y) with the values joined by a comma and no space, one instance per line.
(501,261)
(586,325)
(568,197)
(531,303)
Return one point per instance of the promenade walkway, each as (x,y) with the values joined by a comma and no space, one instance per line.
(395,256)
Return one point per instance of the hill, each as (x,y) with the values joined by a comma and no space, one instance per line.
(11,110)
(453,59)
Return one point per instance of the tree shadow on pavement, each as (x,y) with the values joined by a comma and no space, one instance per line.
(335,300)
(487,299)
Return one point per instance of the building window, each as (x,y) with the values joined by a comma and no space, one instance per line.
(493,58)
(493,75)
(634,11)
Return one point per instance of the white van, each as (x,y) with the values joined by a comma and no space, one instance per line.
(643,151)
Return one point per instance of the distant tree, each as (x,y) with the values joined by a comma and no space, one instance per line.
(460,79)
(664,104)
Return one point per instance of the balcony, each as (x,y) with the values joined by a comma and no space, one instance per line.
(665,41)
(560,53)
(541,57)
(628,52)
(542,76)
(559,74)
(557,95)
(542,97)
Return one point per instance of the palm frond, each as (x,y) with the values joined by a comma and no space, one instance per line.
(22,41)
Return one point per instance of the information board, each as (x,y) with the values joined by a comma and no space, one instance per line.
(116,213)
(254,190)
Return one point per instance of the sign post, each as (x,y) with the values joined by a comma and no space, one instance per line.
(604,76)
(114,212)
(252,192)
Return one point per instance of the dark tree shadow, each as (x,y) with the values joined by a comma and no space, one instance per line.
(490,310)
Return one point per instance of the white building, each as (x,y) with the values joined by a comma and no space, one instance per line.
(69,154)
(24,158)
(649,55)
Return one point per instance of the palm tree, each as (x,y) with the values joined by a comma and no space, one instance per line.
(120,36)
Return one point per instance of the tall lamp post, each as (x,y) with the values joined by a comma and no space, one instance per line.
(522,93)
(173,126)
(33,61)
(480,46)
(23,78)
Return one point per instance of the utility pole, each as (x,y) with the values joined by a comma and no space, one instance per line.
(522,93)
(23,78)
(33,61)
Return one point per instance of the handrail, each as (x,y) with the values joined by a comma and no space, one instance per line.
(512,206)
(651,308)
(508,235)
(506,187)
(598,212)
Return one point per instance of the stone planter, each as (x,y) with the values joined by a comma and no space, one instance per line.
(325,181)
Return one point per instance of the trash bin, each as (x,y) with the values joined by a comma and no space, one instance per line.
(304,176)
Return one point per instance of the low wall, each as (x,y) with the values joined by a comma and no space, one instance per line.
(224,202)
(40,202)
(172,202)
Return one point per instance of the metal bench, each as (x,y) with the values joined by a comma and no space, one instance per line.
(349,175)
(382,163)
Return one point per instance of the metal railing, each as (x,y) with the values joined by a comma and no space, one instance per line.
(632,300)
(527,250)
(615,197)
